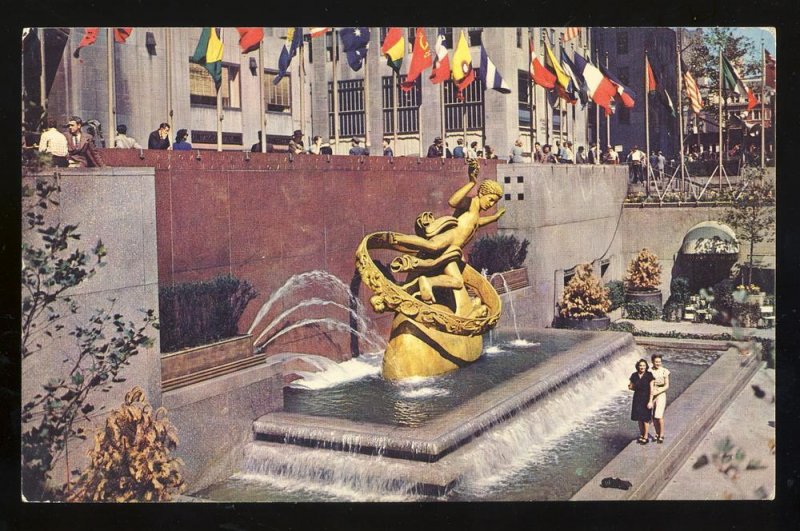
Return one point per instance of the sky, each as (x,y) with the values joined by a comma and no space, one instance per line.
(756,34)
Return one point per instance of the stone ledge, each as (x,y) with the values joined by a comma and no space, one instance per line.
(218,386)
(650,467)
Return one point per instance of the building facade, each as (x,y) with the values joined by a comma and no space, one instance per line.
(624,50)
(155,82)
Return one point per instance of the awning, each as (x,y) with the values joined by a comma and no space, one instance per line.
(710,237)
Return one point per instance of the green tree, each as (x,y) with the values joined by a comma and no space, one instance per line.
(103,346)
(752,214)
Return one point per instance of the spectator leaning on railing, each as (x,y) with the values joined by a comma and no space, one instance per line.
(123,141)
(54,142)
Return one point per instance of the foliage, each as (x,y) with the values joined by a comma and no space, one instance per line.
(722,301)
(752,214)
(131,458)
(498,253)
(196,313)
(642,311)
(673,310)
(616,294)
(104,344)
(679,288)
(702,57)
(583,296)
(644,272)
(622,326)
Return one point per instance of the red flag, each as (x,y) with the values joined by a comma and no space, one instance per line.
(651,77)
(441,65)
(540,75)
(250,38)
(89,36)
(421,58)
(122,34)
(318,32)
(770,63)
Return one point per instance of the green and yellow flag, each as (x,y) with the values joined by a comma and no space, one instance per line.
(209,54)
(394,48)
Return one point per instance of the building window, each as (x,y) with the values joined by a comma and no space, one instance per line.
(552,37)
(523,98)
(278,98)
(329,45)
(622,42)
(202,90)
(448,36)
(519,37)
(475,36)
(556,121)
(351,107)
(210,137)
(624,115)
(472,105)
(407,106)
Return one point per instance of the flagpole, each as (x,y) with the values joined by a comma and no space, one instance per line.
(721,103)
(441,107)
(608,118)
(534,124)
(302,77)
(110,65)
(262,107)
(366,101)
(42,84)
(678,45)
(168,54)
(219,105)
(647,122)
(597,120)
(396,90)
(335,92)
(763,91)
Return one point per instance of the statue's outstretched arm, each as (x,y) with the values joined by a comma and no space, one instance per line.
(485,220)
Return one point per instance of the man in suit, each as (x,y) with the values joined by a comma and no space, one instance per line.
(80,146)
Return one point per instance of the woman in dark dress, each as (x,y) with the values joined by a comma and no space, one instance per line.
(641,383)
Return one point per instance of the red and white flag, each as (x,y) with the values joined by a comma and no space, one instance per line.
(318,32)
(571,33)
(441,62)
(539,74)
(598,87)
(692,91)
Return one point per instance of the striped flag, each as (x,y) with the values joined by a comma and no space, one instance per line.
(394,48)
(692,91)
(652,84)
(441,62)
(732,82)
(318,32)
(571,33)
(490,76)
(599,88)
(539,74)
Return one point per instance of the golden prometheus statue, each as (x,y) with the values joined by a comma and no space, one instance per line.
(438,324)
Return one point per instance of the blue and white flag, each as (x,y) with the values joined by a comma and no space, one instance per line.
(490,76)
(295,35)
(355,42)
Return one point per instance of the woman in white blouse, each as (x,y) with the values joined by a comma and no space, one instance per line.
(660,386)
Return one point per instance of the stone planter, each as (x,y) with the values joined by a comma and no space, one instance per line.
(514,279)
(649,297)
(204,357)
(595,323)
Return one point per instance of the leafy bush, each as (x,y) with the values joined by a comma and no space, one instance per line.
(722,303)
(616,294)
(583,296)
(679,295)
(641,310)
(498,253)
(131,458)
(196,313)
(644,272)
(679,287)
(622,326)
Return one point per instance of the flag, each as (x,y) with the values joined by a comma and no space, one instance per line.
(692,91)
(571,33)
(732,82)
(122,34)
(652,84)
(578,83)
(394,48)
(294,36)
(355,42)
(441,63)
(421,58)
(318,32)
(209,54)
(250,38)
(769,75)
(666,100)
(462,71)
(89,37)
(624,93)
(490,76)
(539,74)
(563,81)
(598,87)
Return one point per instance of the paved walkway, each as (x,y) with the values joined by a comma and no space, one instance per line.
(749,425)
(660,327)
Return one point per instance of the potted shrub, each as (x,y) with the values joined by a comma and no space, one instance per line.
(678,297)
(585,302)
(503,254)
(643,280)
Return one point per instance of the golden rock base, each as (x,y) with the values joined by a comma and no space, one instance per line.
(414,350)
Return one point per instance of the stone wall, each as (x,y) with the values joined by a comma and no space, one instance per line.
(570,215)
